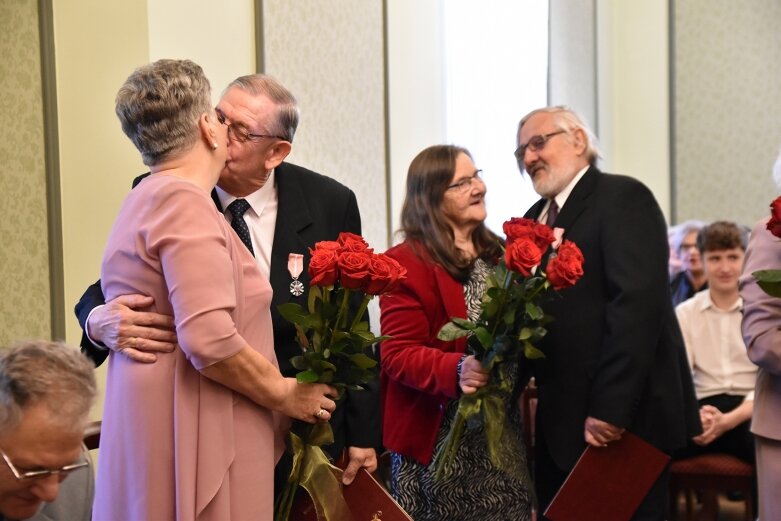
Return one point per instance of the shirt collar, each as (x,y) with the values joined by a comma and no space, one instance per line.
(706,302)
(562,196)
(257,199)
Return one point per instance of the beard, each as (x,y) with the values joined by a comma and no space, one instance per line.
(548,182)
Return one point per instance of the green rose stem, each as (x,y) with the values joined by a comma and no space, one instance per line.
(361,310)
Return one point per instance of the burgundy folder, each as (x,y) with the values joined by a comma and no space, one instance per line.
(367,498)
(608,483)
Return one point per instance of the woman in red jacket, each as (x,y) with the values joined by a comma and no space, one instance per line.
(448,251)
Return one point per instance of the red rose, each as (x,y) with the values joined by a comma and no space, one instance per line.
(328,245)
(385,273)
(354,268)
(323,266)
(352,242)
(517,228)
(774,224)
(522,255)
(565,266)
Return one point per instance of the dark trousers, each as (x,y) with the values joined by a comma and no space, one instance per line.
(548,478)
(738,442)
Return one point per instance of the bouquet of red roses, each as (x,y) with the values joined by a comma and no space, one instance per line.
(335,339)
(511,321)
(770,280)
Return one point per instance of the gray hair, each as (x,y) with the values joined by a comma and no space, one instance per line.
(286,121)
(51,374)
(682,230)
(777,172)
(568,120)
(159,106)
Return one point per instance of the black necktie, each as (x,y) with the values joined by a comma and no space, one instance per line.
(553,212)
(237,209)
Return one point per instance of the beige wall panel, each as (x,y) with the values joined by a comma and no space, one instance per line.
(218,37)
(24,262)
(330,55)
(633,95)
(98,43)
(727,107)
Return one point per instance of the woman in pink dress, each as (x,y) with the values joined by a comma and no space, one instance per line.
(195,435)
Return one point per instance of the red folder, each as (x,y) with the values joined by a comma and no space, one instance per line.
(608,483)
(367,498)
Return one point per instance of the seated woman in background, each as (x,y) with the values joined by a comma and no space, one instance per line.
(448,251)
(192,436)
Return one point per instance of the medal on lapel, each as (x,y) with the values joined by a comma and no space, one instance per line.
(295,265)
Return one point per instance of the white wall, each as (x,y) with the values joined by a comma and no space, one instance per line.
(416,88)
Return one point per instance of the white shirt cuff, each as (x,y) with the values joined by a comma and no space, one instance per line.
(86,329)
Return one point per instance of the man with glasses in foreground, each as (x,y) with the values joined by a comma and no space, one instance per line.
(614,356)
(279,211)
(46,392)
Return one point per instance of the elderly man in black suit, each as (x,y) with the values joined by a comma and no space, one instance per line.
(614,356)
(279,210)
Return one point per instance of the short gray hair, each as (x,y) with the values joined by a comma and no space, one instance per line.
(682,230)
(51,374)
(566,119)
(287,113)
(159,106)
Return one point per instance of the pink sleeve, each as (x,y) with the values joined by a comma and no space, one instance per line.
(186,234)
(761,312)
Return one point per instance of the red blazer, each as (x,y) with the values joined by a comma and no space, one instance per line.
(418,371)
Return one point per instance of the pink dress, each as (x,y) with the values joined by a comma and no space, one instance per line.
(174,444)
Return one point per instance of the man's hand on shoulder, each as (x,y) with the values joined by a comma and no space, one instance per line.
(135,334)
(359,458)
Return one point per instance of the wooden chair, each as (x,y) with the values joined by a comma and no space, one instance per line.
(710,473)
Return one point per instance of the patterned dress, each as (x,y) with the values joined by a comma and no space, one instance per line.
(476,490)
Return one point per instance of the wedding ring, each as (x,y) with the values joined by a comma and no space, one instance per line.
(320,413)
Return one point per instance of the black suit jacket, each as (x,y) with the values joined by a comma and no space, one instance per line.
(614,350)
(311,208)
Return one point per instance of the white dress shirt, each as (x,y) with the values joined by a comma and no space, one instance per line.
(562,196)
(261,218)
(715,348)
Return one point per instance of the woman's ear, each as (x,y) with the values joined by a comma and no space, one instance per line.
(277,153)
(208,134)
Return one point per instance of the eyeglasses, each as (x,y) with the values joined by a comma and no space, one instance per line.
(37,474)
(466,183)
(240,134)
(535,144)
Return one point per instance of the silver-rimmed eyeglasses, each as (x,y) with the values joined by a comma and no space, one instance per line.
(535,144)
(37,474)
(239,134)
(465,184)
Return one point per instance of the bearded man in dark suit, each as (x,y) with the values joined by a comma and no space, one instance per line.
(287,210)
(614,355)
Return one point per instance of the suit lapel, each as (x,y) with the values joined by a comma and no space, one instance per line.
(292,218)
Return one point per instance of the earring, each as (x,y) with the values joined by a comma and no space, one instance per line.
(214,145)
